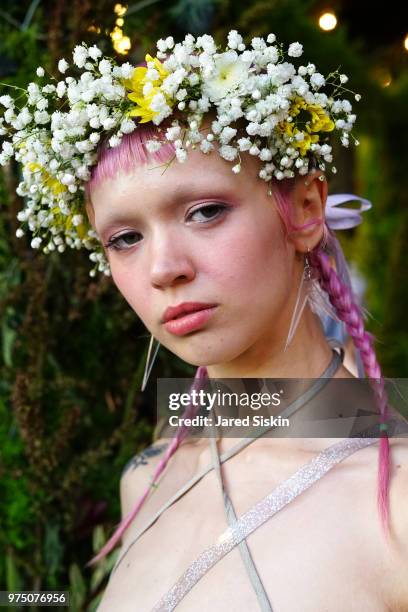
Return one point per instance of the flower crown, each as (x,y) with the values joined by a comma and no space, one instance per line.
(55,135)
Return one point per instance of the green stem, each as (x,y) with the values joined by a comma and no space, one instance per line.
(12,86)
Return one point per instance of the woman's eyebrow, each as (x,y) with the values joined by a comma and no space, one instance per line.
(183,192)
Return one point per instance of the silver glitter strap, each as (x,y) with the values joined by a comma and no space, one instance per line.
(249,564)
(258,514)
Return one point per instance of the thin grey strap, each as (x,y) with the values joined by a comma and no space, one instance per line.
(300,401)
(263,600)
(258,514)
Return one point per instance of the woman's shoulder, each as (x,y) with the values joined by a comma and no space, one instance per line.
(138,472)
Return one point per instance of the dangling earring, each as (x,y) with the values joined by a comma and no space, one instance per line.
(301,299)
(149,361)
(310,291)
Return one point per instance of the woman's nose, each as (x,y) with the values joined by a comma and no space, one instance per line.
(170,262)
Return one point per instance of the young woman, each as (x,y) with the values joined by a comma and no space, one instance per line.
(197,233)
(228,270)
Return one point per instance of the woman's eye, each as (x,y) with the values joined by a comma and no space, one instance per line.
(125,241)
(113,243)
(209,212)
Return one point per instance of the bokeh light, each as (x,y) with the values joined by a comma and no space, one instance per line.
(327,21)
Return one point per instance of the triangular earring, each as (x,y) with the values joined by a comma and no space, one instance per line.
(301,300)
(151,356)
(309,290)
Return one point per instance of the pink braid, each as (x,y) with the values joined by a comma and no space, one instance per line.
(179,436)
(348,311)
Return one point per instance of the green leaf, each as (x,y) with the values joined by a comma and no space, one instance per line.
(98,538)
(77,590)
(8,336)
(53,549)
(13,579)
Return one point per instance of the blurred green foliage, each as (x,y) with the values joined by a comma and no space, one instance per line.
(72,351)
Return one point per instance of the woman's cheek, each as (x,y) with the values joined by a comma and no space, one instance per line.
(134,290)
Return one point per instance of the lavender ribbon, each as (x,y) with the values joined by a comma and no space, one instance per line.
(344,218)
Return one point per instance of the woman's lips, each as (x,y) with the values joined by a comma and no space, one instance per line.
(189,322)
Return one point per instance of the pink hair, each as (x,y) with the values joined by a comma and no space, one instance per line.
(132,152)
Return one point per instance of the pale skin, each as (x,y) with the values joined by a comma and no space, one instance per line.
(341,560)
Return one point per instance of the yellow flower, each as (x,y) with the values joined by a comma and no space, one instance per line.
(319,121)
(82,230)
(136,84)
(137,80)
(51,182)
(304,145)
(65,222)
(142,108)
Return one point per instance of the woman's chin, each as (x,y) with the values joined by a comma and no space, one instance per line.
(204,356)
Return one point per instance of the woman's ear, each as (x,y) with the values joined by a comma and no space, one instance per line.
(308,205)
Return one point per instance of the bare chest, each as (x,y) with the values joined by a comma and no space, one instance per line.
(322,552)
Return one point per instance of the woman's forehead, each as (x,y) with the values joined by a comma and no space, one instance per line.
(176,180)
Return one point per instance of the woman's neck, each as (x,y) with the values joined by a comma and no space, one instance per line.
(307,355)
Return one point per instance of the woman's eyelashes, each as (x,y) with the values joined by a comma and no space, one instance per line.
(114,242)
(216,206)
(209,212)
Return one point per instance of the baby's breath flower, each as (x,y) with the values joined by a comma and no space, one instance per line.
(295,49)
(105,67)
(206,146)
(244,144)
(170,42)
(181,155)
(127,126)
(153,145)
(114,141)
(227,152)
(234,39)
(7,101)
(79,56)
(126,70)
(94,52)
(108,123)
(35,242)
(61,89)
(7,148)
(317,80)
(285,118)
